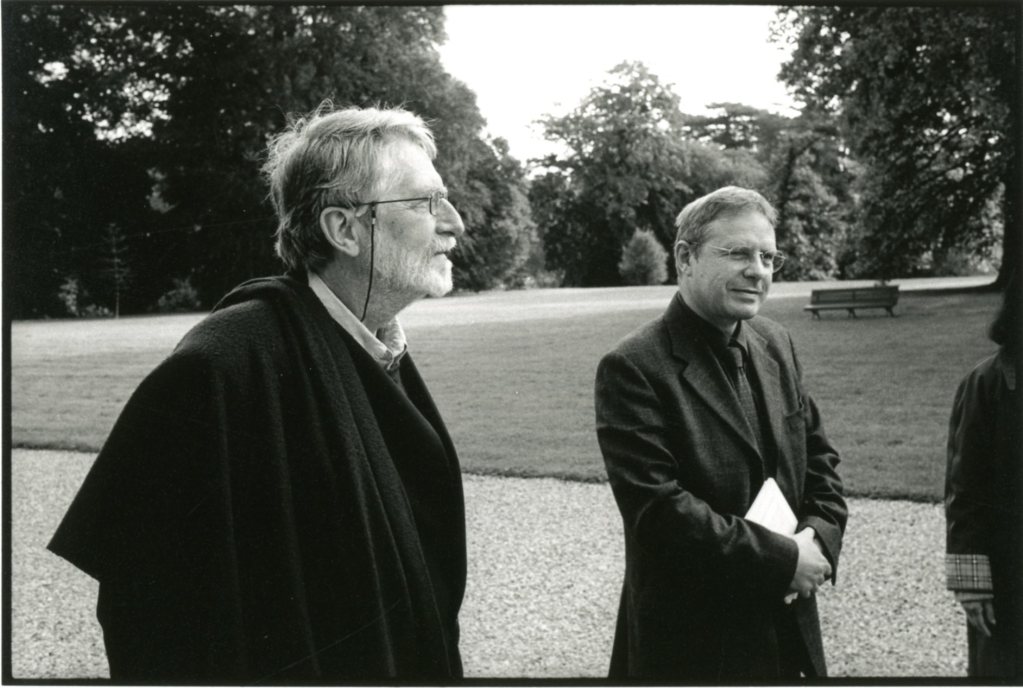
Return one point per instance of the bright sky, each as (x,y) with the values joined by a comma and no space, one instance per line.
(525,61)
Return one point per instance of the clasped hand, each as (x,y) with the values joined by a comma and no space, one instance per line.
(812,568)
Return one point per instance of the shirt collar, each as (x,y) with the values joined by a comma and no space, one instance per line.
(387,346)
(739,336)
(717,339)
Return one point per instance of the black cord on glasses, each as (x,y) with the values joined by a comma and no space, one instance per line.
(372,233)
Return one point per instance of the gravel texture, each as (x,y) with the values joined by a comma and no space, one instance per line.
(545,566)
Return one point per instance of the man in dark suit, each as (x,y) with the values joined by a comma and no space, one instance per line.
(695,410)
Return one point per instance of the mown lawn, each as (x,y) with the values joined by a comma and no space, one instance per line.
(517,395)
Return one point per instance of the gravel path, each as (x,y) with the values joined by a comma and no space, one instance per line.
(545,566)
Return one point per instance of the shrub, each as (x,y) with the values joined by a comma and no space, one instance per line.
(68,295)
(644,260)
(181,298)
(76,301)
(94,310)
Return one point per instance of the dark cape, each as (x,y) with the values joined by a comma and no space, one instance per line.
(272,507)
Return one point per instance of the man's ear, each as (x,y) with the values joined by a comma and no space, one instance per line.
(682,254)
(338,226)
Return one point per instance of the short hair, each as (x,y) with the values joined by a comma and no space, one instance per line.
(330,158)
(693,222)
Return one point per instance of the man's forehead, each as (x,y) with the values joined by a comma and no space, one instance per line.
(748,224)
(406,166)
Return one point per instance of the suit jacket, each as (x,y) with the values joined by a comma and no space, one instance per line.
(703,586)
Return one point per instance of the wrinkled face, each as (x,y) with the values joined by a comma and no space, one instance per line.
(721,289)
(411,244)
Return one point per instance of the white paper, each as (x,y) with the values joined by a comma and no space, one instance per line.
(771,510)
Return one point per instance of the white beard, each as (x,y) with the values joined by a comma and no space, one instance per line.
(412,275)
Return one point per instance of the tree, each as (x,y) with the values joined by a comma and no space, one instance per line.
(735,125)
(114,268)
(624,169)
(644,260)
(170,107)
(499,237)
(928,101)
(811,188)
(62,185)
(801,168)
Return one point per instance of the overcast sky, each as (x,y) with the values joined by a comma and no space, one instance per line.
(525,61)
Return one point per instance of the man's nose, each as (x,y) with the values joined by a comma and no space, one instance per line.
(448,219)
(757,268)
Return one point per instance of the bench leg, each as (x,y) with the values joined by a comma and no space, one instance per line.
(852,311)
(890,312)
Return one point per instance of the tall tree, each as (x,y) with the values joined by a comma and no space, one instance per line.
(115,269)
(180,99)
(61,184)
(929,102)
(735,125)
(502,231)
(806,175)
(812,182)
(624,170)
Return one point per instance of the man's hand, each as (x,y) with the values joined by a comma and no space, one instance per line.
(980,614)
(812,569)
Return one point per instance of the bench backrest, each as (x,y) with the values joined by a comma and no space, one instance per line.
(880,295)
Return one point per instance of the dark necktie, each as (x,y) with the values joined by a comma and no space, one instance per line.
(745,393)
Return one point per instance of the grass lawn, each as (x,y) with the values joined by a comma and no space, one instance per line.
(517,393)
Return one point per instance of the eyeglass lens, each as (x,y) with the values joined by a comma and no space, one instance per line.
(770,260)
(435,198)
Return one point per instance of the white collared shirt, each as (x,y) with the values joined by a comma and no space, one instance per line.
(386,347)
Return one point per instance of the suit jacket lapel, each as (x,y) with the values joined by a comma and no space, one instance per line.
(704,375)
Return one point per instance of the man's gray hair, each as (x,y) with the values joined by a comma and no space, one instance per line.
(693,222)
(330,158)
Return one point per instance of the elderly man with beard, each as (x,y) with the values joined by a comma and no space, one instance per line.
(698,412)
(280,500)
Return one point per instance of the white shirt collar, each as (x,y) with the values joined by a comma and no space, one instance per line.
(386,347)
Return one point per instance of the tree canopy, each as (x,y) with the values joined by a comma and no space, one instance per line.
(156,117)
(624,170)
(134,135)
(927,99)
(634,160)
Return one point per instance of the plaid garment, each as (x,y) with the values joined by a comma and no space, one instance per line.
(968,572)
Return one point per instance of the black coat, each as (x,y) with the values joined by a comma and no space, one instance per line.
(982,495)
(251,519)
(702,585)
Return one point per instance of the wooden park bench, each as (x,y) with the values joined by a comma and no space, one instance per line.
(851,298)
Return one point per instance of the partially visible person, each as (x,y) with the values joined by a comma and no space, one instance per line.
(983,564)
(280,501)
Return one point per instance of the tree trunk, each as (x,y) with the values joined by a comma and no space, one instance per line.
(1011,233)
(1011,245)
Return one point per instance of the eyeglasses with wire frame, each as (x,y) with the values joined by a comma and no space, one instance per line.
(771,260)
(434,199)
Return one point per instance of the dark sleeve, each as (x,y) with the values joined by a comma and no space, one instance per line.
(823,508)
(667,520)
(970,513)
